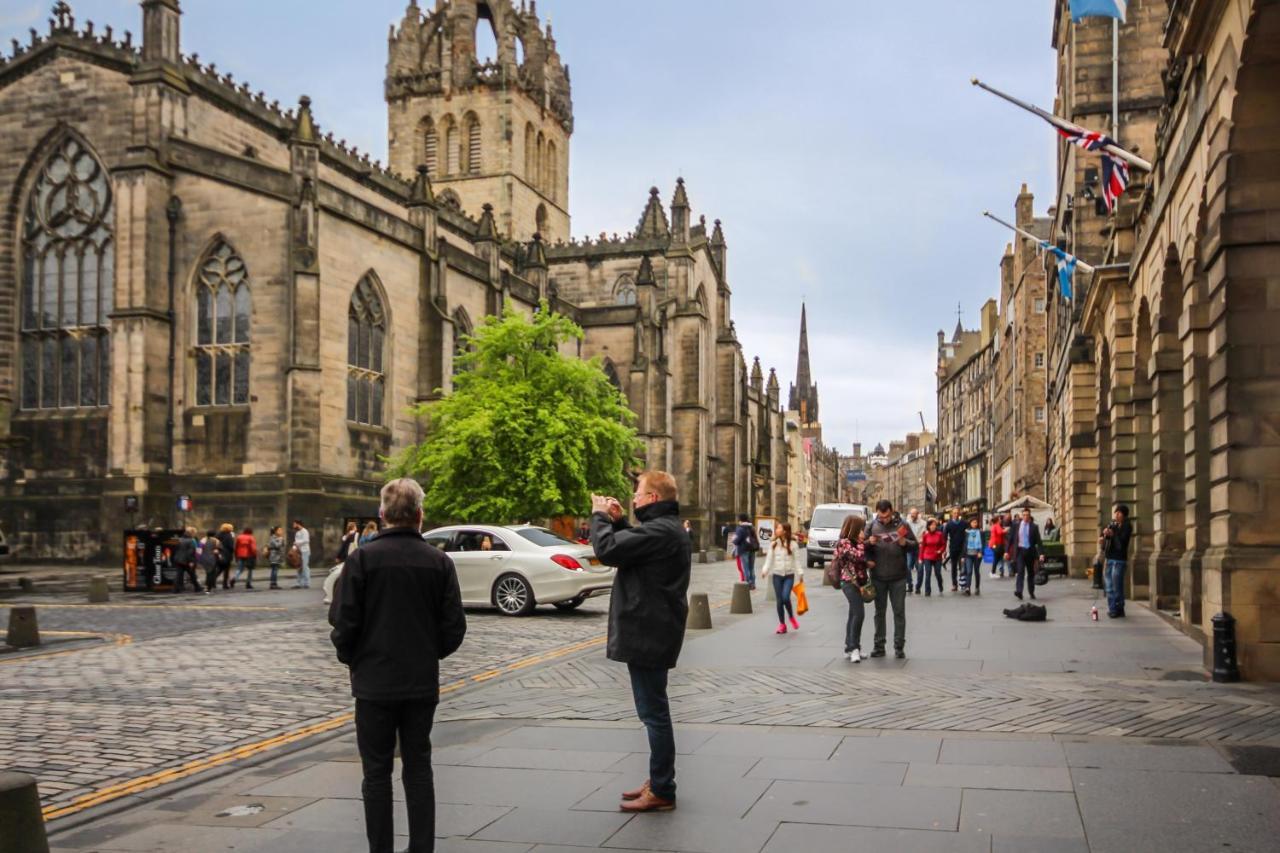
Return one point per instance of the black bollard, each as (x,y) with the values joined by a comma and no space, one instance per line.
(1225,668)
(21,823)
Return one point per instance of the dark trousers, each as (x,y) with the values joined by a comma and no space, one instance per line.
(894,594)
(955,559)
(211,577)
(377,724)
(185,569)
(857,615)
(1026,565)
(649,688)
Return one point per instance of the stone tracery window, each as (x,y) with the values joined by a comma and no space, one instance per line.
(223,310)
(462,331)
(68,270)
(366,338)
(624,292)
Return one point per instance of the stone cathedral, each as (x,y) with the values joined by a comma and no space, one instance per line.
(203,294)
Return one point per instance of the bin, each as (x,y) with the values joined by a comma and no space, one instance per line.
(147,557)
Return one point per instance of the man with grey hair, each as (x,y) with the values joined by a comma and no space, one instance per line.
(396,613)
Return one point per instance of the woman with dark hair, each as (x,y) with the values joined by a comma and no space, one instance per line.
(783,563)
(850,559)
(932,545)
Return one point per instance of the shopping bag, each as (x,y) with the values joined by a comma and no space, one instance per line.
(802,600)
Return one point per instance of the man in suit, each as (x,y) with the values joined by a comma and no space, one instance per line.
(1027,545)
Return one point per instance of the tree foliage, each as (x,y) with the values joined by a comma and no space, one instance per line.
(528,433)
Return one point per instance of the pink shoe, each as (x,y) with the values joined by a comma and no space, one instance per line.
(795,626)
(782,629)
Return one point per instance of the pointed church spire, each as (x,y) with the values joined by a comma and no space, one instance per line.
(420,193)
(645,274)
(653,222)
(487,229)
(757,377)
(304,127)
(804,393)
(680,213)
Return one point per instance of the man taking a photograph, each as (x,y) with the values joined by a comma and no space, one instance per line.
(647,613)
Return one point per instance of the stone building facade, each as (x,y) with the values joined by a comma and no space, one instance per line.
(209,297)
(965,386)
(1164,387)
(912,472)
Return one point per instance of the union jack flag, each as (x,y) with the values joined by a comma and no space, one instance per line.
(1115,172)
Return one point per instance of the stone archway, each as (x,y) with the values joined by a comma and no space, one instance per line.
(1168,439)
(1141,512)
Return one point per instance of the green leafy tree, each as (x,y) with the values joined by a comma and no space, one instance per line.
(527,432)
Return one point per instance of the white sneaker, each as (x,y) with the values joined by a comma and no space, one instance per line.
(993,573)
(855,656)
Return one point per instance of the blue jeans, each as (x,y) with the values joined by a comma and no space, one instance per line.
(649,689)
(857,615)
(913,560)
(782,591)
(747,567)
(929,569)
(245,565)
(1114,575)
(972,572)
(304,570)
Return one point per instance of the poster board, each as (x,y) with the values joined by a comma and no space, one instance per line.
(766,527)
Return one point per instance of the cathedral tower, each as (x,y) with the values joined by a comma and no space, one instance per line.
(804,394)
(490,132)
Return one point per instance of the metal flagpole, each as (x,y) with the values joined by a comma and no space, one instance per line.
(1115,80)
(1079,263)
(1128,157)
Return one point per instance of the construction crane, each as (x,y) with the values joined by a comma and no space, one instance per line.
(922,426)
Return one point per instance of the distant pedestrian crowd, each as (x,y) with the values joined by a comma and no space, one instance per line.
(214,554)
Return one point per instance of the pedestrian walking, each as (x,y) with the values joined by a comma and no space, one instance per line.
(246,557)
(782,563)
(184,560)
(275,554)
(888,540)
(226,552)
(745,546)
(1051,532)
(370,531)
(209,559)
(688,531)
(956,531)
(1115,553)
(396,614)
(1027,545)
(932,545)
(850,560)
(647,612)
(349,540)
(302,541)
(996,541)
(916,523)
(973,546)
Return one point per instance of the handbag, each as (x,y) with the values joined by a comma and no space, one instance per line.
(868,591)
(802,600)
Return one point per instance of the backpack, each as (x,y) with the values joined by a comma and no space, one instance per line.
(293,558)
(753,543)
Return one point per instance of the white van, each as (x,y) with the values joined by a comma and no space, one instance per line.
(824,529)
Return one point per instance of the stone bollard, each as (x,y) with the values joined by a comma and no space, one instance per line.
(700,556)
(741,601)
(24,631)
(26,584)
(98,592)
(699,612)
(20,815)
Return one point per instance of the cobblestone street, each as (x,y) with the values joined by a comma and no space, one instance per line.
(205,676)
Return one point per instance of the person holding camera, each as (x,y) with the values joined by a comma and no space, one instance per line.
(1115,553)
(889,539)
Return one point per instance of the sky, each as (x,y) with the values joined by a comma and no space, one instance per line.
(839,141)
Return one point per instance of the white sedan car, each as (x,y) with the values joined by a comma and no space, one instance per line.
(515,568)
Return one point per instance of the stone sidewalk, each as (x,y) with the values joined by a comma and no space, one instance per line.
(992,735)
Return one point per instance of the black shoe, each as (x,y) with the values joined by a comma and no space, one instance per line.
(877,653)
(899,654)
(1018,596)
(926,595)
(248,586)
(966,592)
(1033,596)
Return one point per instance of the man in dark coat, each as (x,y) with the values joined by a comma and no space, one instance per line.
(396,613)
(647,613)
(956,531)
(1115,551)
(889,540)
(1025,540)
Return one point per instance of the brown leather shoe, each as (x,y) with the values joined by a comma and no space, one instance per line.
(647,802)
(637,793)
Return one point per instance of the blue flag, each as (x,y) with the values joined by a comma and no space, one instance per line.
(1098,9)
(1066,267)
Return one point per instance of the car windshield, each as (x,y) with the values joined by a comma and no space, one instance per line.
(543,538)
(830,518)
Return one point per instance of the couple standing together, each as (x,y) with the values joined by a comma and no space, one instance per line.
(397,612)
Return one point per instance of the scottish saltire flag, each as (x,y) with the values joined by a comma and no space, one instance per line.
(1098,9)
(1115,172)
(1066,266)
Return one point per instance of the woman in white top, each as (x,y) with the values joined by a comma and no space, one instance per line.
(783,562)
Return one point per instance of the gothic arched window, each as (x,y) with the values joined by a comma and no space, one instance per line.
(473,144)
(540,219)
(430,147)
(462,330)
(68,269)
(366,338)
(451,150)
(530,154)
(624,292)
(540,163)
(552,170)
(223,311)
(611,373)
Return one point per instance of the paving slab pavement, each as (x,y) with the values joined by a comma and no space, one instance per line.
(784,745)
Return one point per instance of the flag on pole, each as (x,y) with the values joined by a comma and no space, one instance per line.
(1115,171)
(1066,266)
(1098,9)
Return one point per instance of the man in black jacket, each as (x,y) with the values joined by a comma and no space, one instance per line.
(956,531)
(1024,538)
(1115,551)
(647,613)
(889,540)
(396,614)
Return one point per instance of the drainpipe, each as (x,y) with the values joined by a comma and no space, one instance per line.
(173,210)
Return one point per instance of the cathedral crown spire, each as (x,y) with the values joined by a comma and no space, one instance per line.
(804,393)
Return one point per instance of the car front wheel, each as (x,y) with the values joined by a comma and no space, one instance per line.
(513,596)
